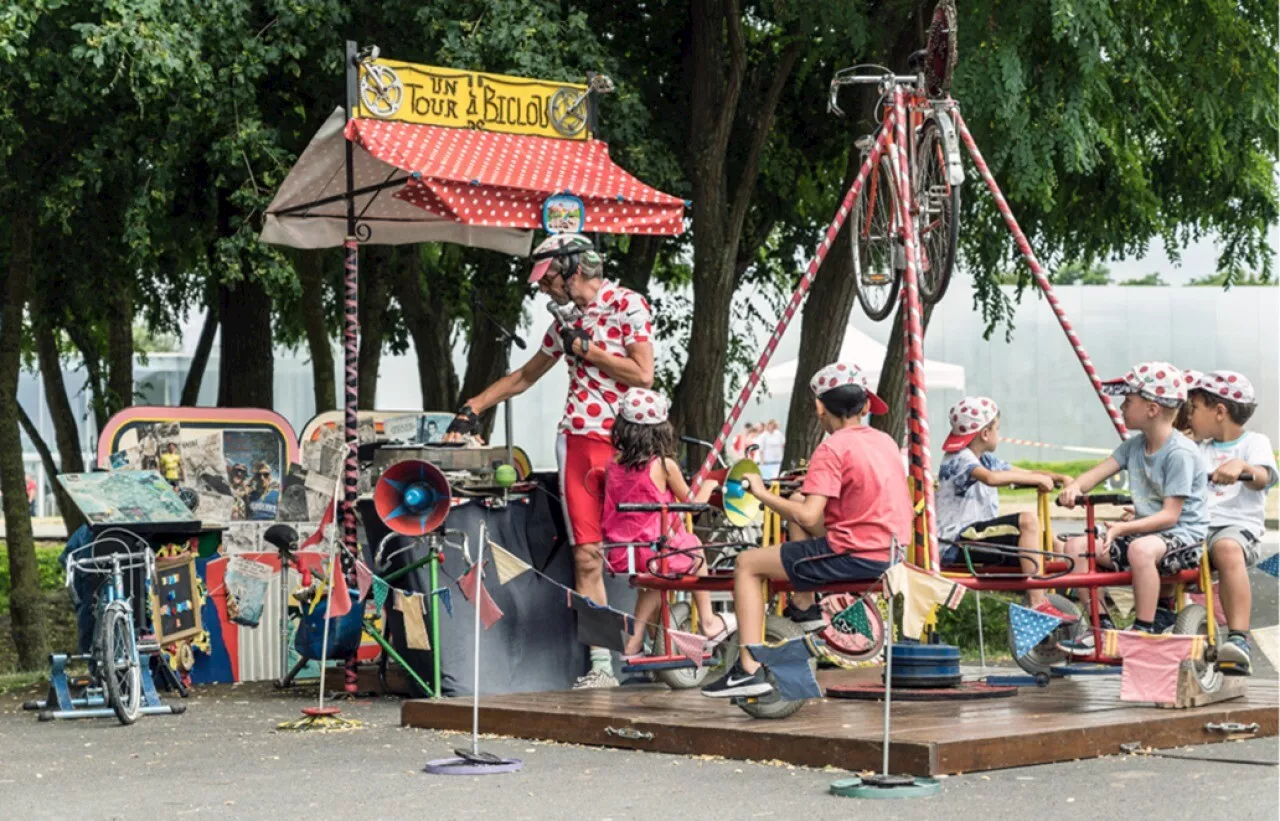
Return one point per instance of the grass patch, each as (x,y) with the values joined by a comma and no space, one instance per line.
(59,618)
(1072,468)
(20,681)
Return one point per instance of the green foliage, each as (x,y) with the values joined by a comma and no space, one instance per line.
(1230,279)
(1150,279)
(51,572)
(960,626)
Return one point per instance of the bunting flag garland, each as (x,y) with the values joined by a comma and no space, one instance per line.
(446,598)
(853,620)
(921,593)
(789,664)
(380,591)
(489,610)
(1271,566)
(364,578)
(507,563)
(1029,627)
(1151,662)
(415,630)
(690,645)
(599,625)
(339,595)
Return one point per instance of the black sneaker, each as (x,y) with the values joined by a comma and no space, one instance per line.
(1082,643)
(738,683)
(810,619)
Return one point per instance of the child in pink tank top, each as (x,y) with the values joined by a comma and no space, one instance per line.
(642,471)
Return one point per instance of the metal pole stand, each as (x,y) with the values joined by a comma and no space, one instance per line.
(475,761)
(886,785)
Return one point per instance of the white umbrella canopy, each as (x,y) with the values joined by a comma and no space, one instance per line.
(868,354)
(318,180)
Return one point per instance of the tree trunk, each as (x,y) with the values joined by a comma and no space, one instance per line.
(66,429)
(426,313)
(893,381)
(319,343)
(822,329)
(200,359)
(635,267)
(71,516)
(120,351)
(246,371)
(488,356)
(375,270)
(26,619)
(87,346)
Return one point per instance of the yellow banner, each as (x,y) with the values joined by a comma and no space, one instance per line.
(410,93)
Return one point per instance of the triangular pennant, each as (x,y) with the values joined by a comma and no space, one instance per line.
(1029,627)
(446,598)
(599,625)
(853,620)
(690,645)
(789,663)
(1271,566)
(380,591)
(489,611)
(325,520)
(507,563)
(339,595)
(467,582)
(364,578)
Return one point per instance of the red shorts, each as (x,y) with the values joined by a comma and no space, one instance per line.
(583,461)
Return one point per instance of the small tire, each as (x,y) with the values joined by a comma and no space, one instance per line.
(933,143)
(1193,620)
(776,629)
(687,678)
(1045,655)
(876,252)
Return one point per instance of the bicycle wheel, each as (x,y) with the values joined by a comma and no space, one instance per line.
(120,669)
(937,223)
(1193,620)
(874,239)
(687,678)
(776,629)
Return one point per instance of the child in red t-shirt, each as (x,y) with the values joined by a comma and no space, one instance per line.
(853,507)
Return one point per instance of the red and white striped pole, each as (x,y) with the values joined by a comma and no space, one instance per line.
(1038,273)
(753,379)
(917,410)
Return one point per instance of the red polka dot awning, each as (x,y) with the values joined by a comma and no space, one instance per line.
(482,178)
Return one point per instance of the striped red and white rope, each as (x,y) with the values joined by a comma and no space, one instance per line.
(753,379)
(913,326)
(1031,443)
(1038,273)
(351,348)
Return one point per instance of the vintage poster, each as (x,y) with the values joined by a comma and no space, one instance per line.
(255,469)
(204,469)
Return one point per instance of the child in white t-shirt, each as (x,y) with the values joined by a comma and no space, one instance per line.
(1221,403)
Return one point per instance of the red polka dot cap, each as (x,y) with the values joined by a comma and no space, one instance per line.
(1226,384)
(968,417)
(837,375)
(1158,382)
(644,407)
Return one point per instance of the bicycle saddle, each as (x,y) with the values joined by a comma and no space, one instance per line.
(282,537)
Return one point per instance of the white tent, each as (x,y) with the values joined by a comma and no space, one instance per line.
(863,351)
(310,209)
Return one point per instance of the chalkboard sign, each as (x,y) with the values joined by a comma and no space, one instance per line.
(174,604)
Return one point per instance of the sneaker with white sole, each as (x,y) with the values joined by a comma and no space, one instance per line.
(1083,642)
(596,680)
(738,683)
(1234,657)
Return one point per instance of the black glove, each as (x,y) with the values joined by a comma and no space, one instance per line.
(570,335)
(466,422)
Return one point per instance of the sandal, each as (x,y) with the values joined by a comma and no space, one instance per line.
(730,627)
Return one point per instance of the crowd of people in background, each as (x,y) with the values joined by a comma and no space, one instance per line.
(768,442)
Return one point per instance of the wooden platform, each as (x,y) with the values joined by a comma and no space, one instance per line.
(1069,719)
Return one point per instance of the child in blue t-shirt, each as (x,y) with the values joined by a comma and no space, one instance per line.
(1167,484)
(969,503)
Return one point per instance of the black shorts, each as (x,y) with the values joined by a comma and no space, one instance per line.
(811,564)
(1002,531)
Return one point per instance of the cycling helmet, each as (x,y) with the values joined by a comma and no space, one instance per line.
(562,254)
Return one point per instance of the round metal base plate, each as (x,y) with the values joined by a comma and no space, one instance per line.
(886,786)
(473,764)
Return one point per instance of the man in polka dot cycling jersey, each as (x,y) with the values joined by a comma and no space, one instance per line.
(604,333)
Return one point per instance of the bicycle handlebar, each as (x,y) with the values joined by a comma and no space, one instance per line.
(674,507)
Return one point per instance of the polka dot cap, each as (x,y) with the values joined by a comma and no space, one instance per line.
(968,417)
(1226,384)
(1158,382)
(838,375)
(644,407)
(483,178)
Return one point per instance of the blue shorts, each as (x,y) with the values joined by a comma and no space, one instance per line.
(812,564)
